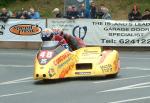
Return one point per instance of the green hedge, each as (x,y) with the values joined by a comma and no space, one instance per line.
(6,2)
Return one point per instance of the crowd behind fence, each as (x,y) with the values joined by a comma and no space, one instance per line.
(72,12)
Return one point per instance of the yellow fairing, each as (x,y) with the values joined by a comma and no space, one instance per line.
(84,62)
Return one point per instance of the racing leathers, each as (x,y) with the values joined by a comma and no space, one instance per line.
(61,40)
(74,42)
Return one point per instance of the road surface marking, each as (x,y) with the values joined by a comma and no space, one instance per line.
(135,86)
(122,79)
(16,66)
(135,58)
(16,81)
(20,54)
(131,100)
(135,68)
(14,94)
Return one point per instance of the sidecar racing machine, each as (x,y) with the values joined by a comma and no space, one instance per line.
(54,61)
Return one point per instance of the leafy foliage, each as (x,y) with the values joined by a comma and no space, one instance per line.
(6,2)
(118,8)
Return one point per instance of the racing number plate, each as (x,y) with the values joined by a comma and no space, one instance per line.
(44,56)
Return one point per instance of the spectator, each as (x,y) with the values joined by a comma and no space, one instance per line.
(22,15)
(4,16)
(18,14)
(72,12)
(10,13)
(68,11)
(25,15)
(34,14)
(93,10)
(146,15)
(82,11)
(57,13)
(135,14)
(99,12)
(106,15)
(14,14)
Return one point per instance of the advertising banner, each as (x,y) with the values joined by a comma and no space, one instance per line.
(106,32)
(22,30)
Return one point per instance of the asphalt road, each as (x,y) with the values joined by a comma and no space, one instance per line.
(17,85)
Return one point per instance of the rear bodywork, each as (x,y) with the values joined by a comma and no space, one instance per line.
(84,62)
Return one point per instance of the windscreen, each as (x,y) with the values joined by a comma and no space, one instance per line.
(49,45)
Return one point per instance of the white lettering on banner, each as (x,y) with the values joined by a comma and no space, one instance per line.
(106,32)
(22,30)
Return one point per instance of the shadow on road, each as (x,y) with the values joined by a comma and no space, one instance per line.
(56,81)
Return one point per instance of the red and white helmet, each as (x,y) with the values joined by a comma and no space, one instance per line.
(57,30)
(46,32)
